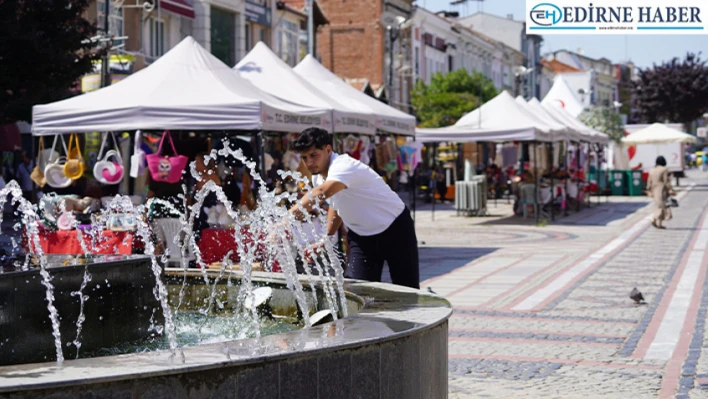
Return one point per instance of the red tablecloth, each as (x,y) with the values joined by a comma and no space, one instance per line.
(214,244)
(67,242)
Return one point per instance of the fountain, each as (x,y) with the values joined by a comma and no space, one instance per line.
(128,326)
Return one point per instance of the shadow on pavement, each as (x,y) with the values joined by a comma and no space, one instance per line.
(598,215)
(437,261)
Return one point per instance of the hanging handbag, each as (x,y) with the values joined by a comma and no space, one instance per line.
(74,167)
(137,160)
(164,168)
(54,171)
(671,203)
(105,170)
(37,174)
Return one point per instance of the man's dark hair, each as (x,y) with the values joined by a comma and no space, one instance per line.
(660,161)
(312,137)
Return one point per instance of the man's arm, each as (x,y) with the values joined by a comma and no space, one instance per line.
(316,196)
(333,222)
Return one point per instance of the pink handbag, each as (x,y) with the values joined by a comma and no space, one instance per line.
(164,168)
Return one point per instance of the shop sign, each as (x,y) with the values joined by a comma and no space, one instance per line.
(120,67)
(257,11)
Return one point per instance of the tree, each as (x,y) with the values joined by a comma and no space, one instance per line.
(675,91)
(449,96)
(42,56)
(605,120)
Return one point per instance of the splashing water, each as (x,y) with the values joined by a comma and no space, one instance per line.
(269,235)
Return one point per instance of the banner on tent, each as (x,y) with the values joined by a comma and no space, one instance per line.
(274,119)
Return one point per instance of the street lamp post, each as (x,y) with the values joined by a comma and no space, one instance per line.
(393,33)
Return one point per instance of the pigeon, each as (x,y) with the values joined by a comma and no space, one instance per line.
(636,296)
(430,290)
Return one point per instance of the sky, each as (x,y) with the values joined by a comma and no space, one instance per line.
(644,51)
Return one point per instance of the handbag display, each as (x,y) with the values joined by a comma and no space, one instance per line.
(54,171)
(74,167)
(164,168)
(37,174)
(105,170)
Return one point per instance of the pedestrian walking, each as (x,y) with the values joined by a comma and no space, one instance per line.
(380,227)
(659,188)
(705,161)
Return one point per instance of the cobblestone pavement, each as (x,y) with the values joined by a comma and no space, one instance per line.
(544,312)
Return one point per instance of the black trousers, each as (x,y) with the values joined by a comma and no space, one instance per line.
(397,246)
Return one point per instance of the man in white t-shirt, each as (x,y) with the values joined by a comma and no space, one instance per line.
(380,225)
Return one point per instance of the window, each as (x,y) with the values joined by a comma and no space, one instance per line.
(156,36)
(417,62)
(288,41)
(248,37)
(115,20)
(449,63)
(223,35)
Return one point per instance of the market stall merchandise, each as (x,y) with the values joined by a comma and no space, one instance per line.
(186,89)
(271,74)
(388,119)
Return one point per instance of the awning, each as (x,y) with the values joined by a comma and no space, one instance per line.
(180,7)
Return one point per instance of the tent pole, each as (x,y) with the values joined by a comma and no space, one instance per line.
(553,192)
(566,163)
(577,171)
(538,181)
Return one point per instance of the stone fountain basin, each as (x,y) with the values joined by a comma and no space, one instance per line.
(394,346)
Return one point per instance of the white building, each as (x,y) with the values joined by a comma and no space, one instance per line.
(603,86)
(512,33)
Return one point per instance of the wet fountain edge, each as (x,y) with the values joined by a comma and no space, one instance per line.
(395,324)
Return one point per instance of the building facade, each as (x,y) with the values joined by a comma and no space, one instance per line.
(360,39)
(512,33)
(603,88)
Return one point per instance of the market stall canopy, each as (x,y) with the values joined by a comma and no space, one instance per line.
(656,134)
(186,89)
(388,119)
(271,74)
(564,132)
(500,119)
(561,94)
(562,116)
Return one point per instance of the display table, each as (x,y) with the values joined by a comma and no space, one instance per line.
(215,244)
(67,243)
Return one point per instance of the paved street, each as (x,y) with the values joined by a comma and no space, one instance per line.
(544,312)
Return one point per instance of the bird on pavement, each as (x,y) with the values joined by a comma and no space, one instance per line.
(430,290)
(636,296)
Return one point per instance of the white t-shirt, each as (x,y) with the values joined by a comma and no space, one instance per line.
(367,206)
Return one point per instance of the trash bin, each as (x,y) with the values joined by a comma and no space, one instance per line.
(634,183)
(617,183)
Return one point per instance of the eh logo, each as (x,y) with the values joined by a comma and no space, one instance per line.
(546,14)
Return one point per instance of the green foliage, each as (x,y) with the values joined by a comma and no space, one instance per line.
(42,56)
(675,91)
(450,96)
(605,120)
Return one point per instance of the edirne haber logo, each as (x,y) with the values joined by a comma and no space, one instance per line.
(637,17)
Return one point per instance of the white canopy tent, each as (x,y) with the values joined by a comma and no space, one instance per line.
(186,89)
(500,119)
(564,132)
(562,116)
(387,118)
(561,94)
(271,74)
(658,133)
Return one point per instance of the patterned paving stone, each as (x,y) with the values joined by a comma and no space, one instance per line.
(587,339)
